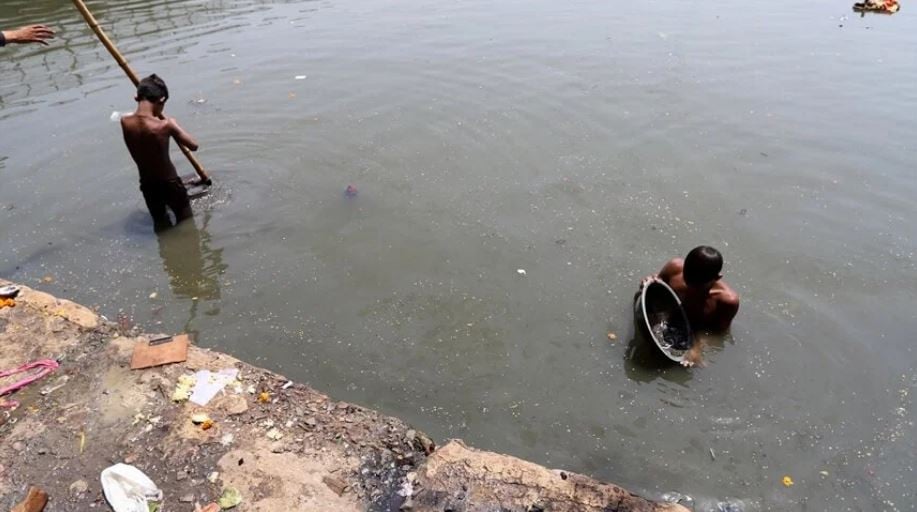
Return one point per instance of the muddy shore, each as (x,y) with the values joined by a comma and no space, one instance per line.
(282,445)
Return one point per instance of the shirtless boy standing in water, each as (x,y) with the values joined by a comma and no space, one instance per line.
(147,138)
(709,302)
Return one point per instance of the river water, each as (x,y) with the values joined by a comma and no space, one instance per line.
(584,142)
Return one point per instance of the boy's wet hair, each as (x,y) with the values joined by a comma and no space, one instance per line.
(702,265)
(153,89)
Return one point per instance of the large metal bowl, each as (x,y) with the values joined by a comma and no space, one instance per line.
(663,320)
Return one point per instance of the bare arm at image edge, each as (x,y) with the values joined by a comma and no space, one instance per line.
(29,34)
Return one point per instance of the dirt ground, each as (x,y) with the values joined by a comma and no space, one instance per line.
(282,445)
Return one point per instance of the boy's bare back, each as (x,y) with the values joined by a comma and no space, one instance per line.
(147,138)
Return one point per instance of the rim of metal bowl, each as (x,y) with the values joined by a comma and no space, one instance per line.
(646,321)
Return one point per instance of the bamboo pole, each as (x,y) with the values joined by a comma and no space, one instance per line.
(106,42)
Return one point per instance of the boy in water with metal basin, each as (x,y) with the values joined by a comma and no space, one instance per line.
(709,302)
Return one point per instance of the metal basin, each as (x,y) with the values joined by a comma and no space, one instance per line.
(664,321)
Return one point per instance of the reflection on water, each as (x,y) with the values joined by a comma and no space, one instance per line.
(194,268)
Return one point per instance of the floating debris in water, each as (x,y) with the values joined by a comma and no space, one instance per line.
(521,272)
(350,191)
(299,77)
(115,116)
(787,481)
(670,336)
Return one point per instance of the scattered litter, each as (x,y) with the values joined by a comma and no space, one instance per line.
(823,473)
(231,497)
(213,477)
(183,388)
(115,116)
(287,385)
(154,295)
(128,489)
(6,302)
(877,6)
(47,366)
(300,77)
(712,454)
(82,442)
(201,418)
(612,336)
(208,384)
(251,389)
(677,497)
(335,484)
(35,501)
(61,382)
(78,487)
(264,397)
(787,481)
(171,349)
(274,434)
(227,439)
(9,292)
(520,271)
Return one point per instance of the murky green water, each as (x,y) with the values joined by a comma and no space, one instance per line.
(582,141)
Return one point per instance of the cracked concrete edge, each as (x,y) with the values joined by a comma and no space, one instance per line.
(51,305)
(454,476)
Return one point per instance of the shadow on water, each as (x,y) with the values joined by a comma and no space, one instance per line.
(192,265)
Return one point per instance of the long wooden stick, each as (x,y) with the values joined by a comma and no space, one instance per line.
(106,42)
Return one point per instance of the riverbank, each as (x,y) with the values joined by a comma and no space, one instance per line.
(282,445)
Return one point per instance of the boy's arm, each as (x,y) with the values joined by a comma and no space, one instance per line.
(184,138)
(670,269)
(726,309)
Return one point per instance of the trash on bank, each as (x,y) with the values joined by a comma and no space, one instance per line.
(7,302)
(264,397)
(47,366)
(9,292)
(274,434)
(183,388)
(35,501)
(128,489)
(231,498)
(171,349)
(202,419)
(208,384)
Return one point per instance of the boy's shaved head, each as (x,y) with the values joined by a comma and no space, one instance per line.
(152,89)
(702,265)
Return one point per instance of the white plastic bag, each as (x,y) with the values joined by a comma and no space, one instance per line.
(127,489)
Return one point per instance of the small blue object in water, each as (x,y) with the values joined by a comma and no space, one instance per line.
(350,191)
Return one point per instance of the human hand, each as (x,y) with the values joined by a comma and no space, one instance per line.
(647,280)
(30,34)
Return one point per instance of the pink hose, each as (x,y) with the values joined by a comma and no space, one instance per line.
(47,366)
